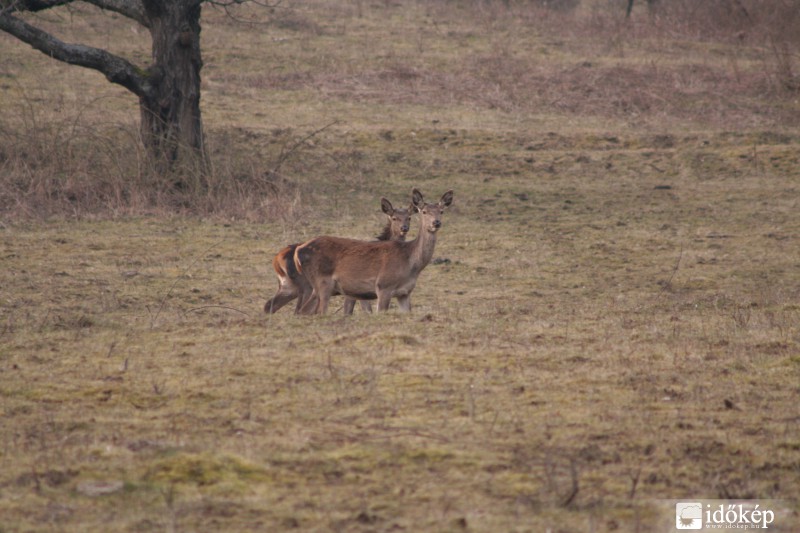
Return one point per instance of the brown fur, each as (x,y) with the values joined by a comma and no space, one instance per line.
(293,285)
(364,269)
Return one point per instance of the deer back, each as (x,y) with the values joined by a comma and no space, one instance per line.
(339,256)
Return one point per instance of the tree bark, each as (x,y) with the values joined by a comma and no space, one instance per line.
(171,124)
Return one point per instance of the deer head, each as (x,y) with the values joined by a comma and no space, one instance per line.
(431,213)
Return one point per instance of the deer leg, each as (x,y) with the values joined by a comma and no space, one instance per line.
(404,302)
(306,296)
(286,292)
(366,306)
(279,300)
(349,305)
(324,290)
(307,303)
(384,297)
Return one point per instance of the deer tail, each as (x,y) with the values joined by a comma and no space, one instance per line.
(298,262)
(279,263)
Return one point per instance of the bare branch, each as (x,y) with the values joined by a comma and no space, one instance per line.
(11,6)
(116,69)
(286,153)
(133,9)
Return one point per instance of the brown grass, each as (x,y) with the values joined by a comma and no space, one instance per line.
(612,321)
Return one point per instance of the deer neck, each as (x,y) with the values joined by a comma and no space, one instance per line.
(422,248)
(386,234)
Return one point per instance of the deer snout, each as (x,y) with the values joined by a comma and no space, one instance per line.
(404,228)
(437,224)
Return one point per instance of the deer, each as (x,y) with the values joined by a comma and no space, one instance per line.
(293,285)
(365,270)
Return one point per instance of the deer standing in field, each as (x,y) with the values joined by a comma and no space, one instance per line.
(368,270)
(292,284)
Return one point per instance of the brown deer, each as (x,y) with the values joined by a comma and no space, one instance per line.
(292,284)
(366,270)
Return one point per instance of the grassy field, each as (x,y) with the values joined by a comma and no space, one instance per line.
(612,318)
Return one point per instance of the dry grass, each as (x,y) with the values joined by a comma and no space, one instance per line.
(613,320)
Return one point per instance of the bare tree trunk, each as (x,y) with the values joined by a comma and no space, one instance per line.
(171,125)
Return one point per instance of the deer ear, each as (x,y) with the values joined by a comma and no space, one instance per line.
(386,206)
(447,199)
(416,199)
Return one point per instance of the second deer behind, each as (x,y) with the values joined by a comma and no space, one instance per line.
(365,270)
